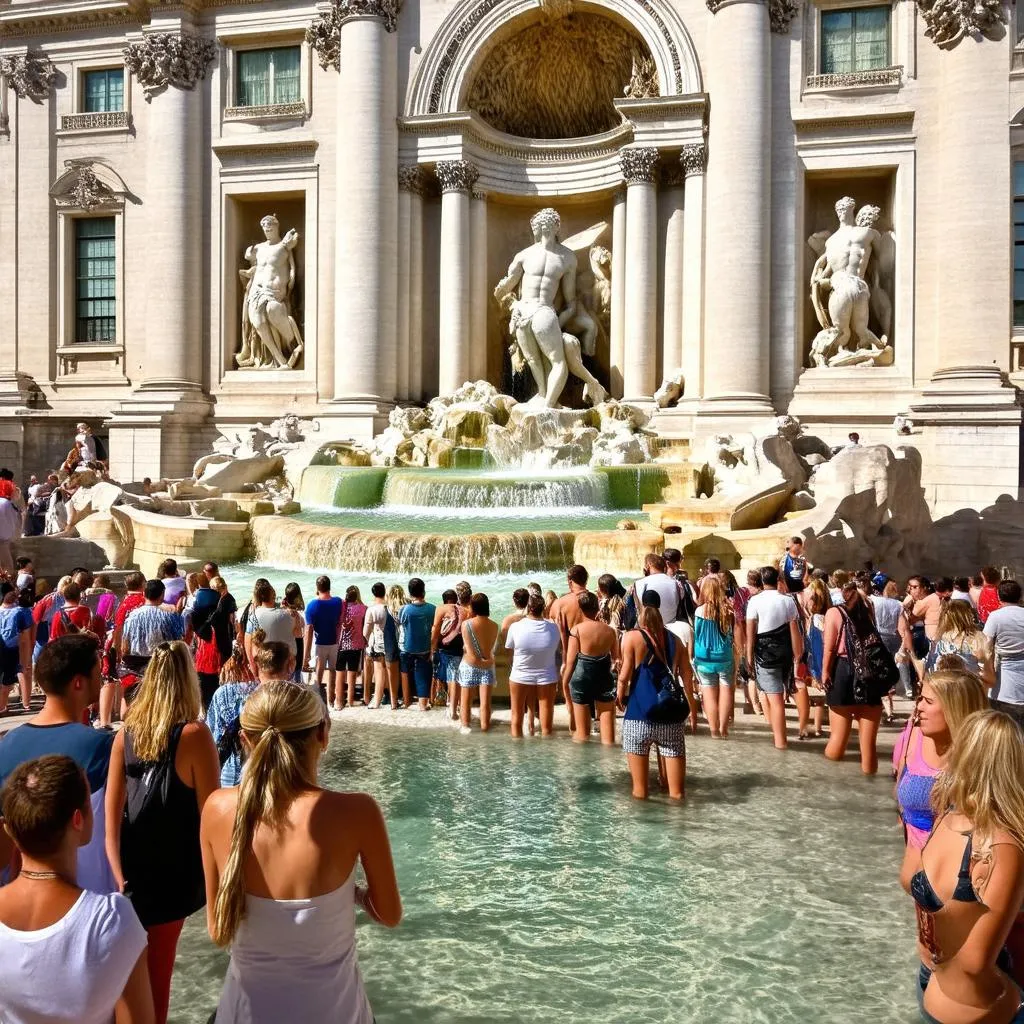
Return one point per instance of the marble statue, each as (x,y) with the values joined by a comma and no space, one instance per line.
(544,273)
(270,335)
(848,259)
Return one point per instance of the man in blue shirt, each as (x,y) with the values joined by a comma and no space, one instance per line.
(415,622)
(323,614)
(148,627)
(68,670)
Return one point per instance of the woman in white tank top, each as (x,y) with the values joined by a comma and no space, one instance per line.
(280,857)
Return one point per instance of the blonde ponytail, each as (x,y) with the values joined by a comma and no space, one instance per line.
(279,721)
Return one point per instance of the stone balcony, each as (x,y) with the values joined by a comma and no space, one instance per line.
(891,77)
(101,120)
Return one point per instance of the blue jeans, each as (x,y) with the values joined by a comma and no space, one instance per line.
(420,671)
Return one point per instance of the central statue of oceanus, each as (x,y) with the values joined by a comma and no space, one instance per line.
(544,274)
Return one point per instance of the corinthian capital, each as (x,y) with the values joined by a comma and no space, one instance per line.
(694,159)
(456,175)
(949,21)
(780,12)
(413,178)
(323,34)
(31,75)
(163,59)
(639,165)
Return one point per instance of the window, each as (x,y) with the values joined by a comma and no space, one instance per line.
(854,40)
(1018,243)
(268,77)
(103,90)
(95,317)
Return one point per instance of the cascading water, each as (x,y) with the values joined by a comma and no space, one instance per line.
(495,490)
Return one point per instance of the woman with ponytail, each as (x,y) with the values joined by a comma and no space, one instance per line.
(280,856)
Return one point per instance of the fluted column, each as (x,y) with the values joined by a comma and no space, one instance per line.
(479,292)
(412,182)
(366,204)
(693,161)
(617,340)
(672,201)
(169,65)
(738,210)
(640,168)
(402,353)
(456,178)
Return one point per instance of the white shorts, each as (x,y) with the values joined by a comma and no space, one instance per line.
(326,654)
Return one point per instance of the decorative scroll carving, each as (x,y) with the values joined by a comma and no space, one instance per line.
(948,21)
(413,178)
(31,75)
(639,165)
(97,119)
(880,76)
(671,175)
(323,35)
(456,175)
(273,110)
(83,190)
(168,58)
(694,159)
(781,14)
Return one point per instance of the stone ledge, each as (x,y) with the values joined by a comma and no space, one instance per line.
(95,122)
(889,79)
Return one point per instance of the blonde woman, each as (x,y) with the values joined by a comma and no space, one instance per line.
(921,753)
(716,645)
(395,602)
(970,886)
(958,634)
(163,766)
(280,856)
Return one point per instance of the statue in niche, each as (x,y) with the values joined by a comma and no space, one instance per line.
(848,285)
(270,335)
(545,276)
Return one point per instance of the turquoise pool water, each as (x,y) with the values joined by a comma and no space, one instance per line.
(536,890)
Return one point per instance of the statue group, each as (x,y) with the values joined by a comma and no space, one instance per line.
(270,335)
(850,283)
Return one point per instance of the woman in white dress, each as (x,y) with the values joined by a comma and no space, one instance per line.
(280,857)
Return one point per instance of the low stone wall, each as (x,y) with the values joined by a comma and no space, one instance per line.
(190,541)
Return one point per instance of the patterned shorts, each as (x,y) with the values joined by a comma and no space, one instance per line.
(638,737)
(470,676)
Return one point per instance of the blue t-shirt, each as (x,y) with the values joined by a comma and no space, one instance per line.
(415,621)
(324,614)
(13,622)
(223,711)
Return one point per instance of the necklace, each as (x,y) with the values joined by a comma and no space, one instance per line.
(38,875)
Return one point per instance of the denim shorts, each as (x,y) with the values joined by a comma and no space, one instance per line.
(772,680)
(715,677)
(447,668)
(420,670)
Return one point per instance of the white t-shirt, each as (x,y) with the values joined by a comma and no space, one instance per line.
(74,970)
(887,614)
(770,609)
(681,631)
(277,623)
(374,622)
(533,643)
(1005,628)
(667,590)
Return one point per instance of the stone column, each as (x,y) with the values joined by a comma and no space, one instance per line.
(456,178)
(366,207)
(479,291)
(412,182)
(693,160)
(617,340)
(672,199)
(640,168)
(738,211)
(402,353)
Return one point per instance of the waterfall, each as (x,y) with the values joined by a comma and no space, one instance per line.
(341,486)
(494,490)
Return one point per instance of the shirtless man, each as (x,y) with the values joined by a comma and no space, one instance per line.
(543,271)
(842,269)
(272,280)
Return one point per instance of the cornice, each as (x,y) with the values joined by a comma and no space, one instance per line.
(895,120)
(51,18)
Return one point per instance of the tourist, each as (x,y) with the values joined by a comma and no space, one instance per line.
(415,621)
(162,769)
(100,599)
(987,600)
(174,584)
(223,618)
(977,583)
(774,648)
(56,521)
(147,627)
(975,858)
(267,622)
(320,650)
(715,647)
(476,668)
(10,525)
(200,629)
(674,568)
(396,601)
(794,569)
(184,603)
(588,676)
(849,697)
(280,855)
(958,635)
(380,632)
(111,694)
(853,440)
(655,578)
(608,586)
(961,590)
(293,603)
(921,596)
(26,573)
(447,648)
(210,570)
(15,648)
(816,602)
(836,581)
(565,613)
(66,953)
(520,599)
(890,619)
(37,499)
(243,620)
(550,597)
(921,752)
(652,659)
(534,642)
(75,617)
(68,672)
(1004,628)
(351,645)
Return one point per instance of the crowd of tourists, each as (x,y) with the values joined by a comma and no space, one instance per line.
(207,794)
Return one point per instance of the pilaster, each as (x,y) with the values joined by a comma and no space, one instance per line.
(640,172)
